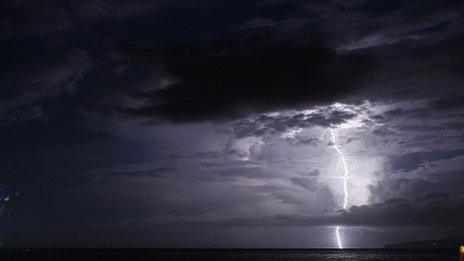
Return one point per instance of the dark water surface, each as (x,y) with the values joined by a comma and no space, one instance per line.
(226,254)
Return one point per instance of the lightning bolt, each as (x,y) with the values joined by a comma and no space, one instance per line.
(344,178)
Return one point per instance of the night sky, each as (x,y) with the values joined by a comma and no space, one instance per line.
(209,123)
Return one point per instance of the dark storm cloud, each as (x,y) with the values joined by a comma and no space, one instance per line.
(212,166)
(206,79)
(77,78)
(278,124)
(436,210)
(416,70)
(307,183)
(417,43)
(306,142)
(22,115)
(36,64)
(46,52)
(103,10)
(410,161)
(413,174)
(429,210)
(412,188)
(408,114)
(232,77)
(449,103)
(32,18)
(362,24)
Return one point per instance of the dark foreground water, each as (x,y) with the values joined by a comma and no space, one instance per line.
(226,254)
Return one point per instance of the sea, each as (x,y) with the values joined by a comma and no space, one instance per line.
(228,254)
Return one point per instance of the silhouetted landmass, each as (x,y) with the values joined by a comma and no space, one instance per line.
(449,243)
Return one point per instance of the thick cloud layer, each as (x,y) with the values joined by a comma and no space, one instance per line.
(432,210)
(346,52)
(128,123)
(233,77)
